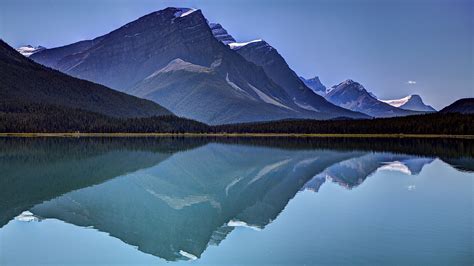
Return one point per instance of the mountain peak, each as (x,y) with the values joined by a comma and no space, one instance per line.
(348,84)
(411,102)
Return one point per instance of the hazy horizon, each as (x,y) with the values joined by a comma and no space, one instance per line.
(393,48)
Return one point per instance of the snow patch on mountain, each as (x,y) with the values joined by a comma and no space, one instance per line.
(179,64)
(398,102)
(236,87)
(264,97)
(182,12)
(28,50)
(238,45)
(307,107)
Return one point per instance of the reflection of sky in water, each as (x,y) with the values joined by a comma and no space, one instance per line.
(241,202)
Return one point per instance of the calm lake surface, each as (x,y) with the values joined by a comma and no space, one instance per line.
(203,201)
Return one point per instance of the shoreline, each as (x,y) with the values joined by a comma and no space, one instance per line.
(235,135)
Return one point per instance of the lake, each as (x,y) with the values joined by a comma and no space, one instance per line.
(229,201)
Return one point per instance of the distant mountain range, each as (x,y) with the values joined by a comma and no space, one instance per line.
(195,69)
(145,58)
(349,96)
(352,95)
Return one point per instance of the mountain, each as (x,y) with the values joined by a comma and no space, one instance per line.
(463,106)
(411,102)
(150,58)
(200,93)
(51,57)
(264,55)
(221,34)
(28,50)
(24,81)
(315,84)
(352,95)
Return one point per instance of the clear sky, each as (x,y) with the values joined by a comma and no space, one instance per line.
(381,44)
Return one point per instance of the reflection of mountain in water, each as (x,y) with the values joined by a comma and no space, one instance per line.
(174,197)
(193,198)
(352,172)
(33,170)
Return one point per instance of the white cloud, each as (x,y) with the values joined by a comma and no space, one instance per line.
(411,82)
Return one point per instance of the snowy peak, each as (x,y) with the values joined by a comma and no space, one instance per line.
(348,85)
(221,34)
(28,50)
(411,102)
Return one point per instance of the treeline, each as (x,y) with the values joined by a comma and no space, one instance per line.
(437,123)
(44,118)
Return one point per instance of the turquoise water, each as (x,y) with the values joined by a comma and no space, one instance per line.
(246,202)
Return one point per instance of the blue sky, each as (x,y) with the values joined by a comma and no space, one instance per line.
(381,44)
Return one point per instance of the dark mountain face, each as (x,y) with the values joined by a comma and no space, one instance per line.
(352,95)
(275,66)
(315,84)
(221,34)
(463,106)
(135,57)
(23,80)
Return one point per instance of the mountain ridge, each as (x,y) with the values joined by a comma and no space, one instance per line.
(125,57)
